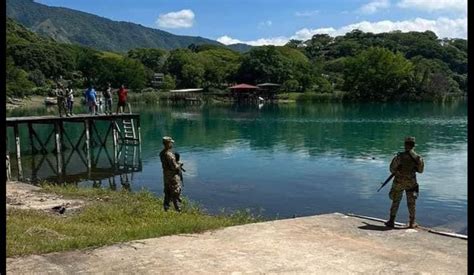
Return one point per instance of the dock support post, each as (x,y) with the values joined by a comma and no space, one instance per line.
(9,171)
(88,144)
(18,153)
(139,141)
(30,133)
(59,160)
(114,137)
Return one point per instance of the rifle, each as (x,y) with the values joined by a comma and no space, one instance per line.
(181,169)
(386,181)
(177,156)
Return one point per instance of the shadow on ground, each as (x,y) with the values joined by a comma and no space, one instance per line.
(368,226)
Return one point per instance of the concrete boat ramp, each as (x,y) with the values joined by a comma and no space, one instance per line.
(323,244)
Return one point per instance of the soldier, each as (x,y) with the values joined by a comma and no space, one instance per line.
(404,166)
(171,175)
(177,157)
(61,100)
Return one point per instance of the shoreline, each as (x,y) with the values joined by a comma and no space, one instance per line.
(329,243)
(28,102)
(35,101)
(54,218)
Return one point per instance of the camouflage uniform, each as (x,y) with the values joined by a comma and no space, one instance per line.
(171,178)
(61,101)
(405,165)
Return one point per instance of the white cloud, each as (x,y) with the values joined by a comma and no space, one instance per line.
(306,13)
(443,27)
(435,5)
(178,19)
(277,41)
(227,40)
(374,6)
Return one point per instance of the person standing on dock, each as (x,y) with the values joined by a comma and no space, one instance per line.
(70,101)
(91,99)
(404,166)
(122,99)
(171,178)
(108,99)
(61,100)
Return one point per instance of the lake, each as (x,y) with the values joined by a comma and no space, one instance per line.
(288,160)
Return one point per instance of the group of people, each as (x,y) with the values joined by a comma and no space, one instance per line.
(403,166)
(93,103)
(65,100)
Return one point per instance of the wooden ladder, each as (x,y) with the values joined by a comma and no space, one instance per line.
(129,133)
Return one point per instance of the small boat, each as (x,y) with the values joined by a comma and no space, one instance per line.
(50,101)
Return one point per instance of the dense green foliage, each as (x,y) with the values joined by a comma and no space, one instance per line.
(366,66)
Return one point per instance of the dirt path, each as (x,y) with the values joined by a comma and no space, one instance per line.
(32,101)
(27,196)
(324,244)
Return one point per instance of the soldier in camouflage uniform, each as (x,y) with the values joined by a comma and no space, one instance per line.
(61,99)
(404,166)
(171,175)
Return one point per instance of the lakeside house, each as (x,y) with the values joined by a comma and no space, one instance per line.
(248,93)
(191,96)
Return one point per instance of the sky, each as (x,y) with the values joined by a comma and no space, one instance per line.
(275,22)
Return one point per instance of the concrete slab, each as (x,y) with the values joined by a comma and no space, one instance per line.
(323,244)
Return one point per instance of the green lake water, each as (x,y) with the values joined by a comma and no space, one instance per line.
(300,159)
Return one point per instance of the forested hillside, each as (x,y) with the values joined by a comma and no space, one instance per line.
(72,26)
(366,66)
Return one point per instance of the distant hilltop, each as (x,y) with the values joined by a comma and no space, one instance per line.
(76,27)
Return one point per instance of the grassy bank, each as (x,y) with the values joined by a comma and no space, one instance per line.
(108,217)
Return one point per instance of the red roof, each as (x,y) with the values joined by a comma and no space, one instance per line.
(244,86)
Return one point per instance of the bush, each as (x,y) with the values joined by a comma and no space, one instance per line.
(148,90)
(291,86)
(43,90)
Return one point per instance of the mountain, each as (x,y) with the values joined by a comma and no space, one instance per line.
(76,27)
(240,47)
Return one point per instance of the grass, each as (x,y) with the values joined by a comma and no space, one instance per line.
(109,217)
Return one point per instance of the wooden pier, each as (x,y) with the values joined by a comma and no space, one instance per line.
(123,128)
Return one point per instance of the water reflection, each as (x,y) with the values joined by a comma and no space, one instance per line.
(286,160)
(106,166)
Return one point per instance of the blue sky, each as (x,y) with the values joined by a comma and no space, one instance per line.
(260,22)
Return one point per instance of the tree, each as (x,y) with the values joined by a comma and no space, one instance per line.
(154,59)
(274,64)
(16,80)
(192,75)
(433,78)
(220,64)
(294,43)
(168,83)
(291,86)
(378,74)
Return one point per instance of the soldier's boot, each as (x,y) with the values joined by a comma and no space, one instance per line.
(412,224)
(176,205)
(390,222)
(166,206)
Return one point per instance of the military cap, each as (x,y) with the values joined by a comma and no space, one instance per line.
(410,139)
(168,139)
